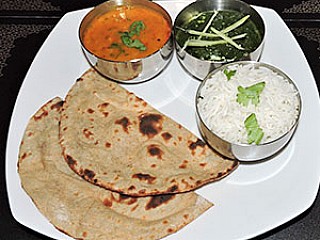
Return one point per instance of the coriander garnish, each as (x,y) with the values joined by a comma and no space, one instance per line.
(229,73)
(250,93)
(255,133)
(126,37)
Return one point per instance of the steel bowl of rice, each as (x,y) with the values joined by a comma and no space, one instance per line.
(208,34)
(248,110)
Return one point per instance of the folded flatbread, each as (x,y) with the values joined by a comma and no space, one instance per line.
(83,210)
(116,140)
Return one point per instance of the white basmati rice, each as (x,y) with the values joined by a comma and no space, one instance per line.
(276,113)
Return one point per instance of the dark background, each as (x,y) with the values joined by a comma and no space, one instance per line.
(24,25)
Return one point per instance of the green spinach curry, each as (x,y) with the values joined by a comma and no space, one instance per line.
(219,36)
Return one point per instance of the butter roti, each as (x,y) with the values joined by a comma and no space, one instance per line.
(83,210)
(116,140)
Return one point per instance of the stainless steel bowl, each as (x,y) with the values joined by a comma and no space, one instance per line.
(201,68)
(245,152)
(136,70)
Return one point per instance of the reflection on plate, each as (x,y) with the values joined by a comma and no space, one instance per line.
(254,199)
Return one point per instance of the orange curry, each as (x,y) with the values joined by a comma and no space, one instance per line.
(127,33)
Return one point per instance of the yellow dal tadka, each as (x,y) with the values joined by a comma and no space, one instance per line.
(103,36)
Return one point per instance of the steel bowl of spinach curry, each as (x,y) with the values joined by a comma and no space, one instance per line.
(211,33)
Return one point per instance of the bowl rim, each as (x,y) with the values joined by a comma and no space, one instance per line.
(123,3)
(256,64)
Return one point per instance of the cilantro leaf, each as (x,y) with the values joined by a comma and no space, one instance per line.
(229,73)
(254,132)
(125,38)
(136,43)
(251,93)
(134,29)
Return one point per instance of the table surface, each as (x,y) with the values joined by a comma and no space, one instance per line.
(24,25)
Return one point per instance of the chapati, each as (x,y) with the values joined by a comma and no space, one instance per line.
(83,210)
(116,140)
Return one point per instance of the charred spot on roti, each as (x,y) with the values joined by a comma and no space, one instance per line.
(131,188)
(131,96)
(57,106)
(155,151)
(198,143)
(173,180)
(124,122)
(194,145)
(144,177)
(40,116)
(186,183)
(142,191)
(137,101)
(107,202)
(103,105)
(119,198)
(89,174)
(71,162)
(122,197)
(90,110)
(183,165)
(170,230)
(134,208)
(203,164)
(102,108)
(166,136)
(24,155)
(156,201)
(129,200)
(107,144)
(173,189)
(150,124)
(87,133)
(220,174)
(199,182)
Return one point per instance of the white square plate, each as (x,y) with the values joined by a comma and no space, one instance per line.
(250,201)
